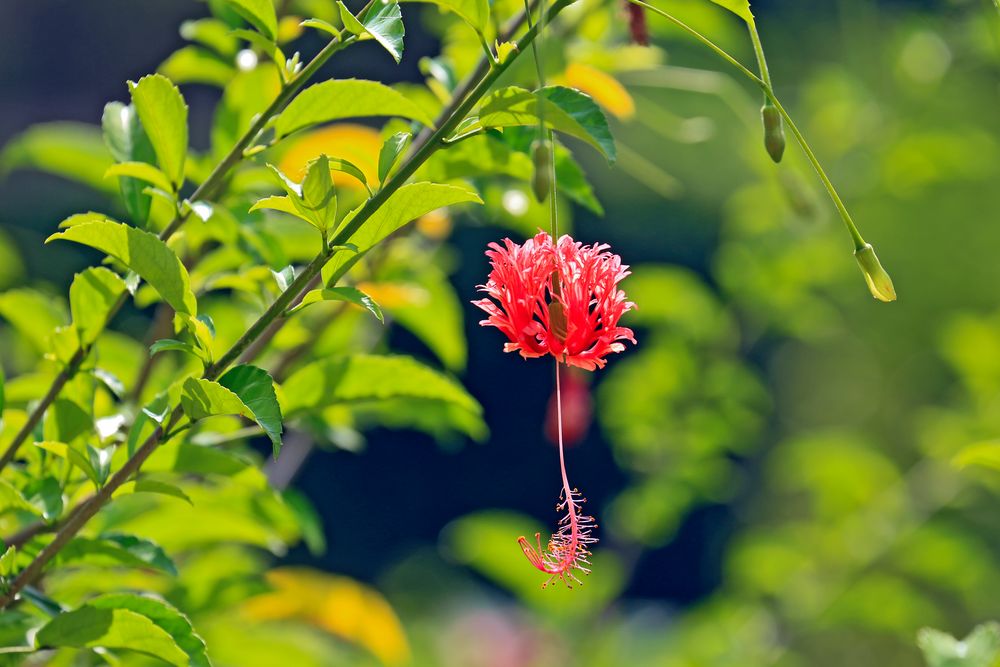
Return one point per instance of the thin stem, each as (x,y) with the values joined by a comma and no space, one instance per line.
(36,415)
(704,40)
(206,189)
(859,241)
(758,50)
(856,237)
(89,508)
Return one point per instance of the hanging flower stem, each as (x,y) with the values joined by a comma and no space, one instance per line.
(859,242)
(568,550)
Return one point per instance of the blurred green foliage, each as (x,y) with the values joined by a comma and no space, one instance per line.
(851,440)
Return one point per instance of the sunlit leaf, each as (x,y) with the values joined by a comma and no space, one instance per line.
(407,203)
(565,109)
(474,12)
(980,649)
(384,22)
(983,454)
(255,389)
(369,378)
(392,149)
(164,113)
(33,314)
(117,549)
(71,150)
(739,7)
(258,13)
(92,296)
(348,98)
(91,627)
(348,294)
(142,252)
(192,64)
(127,141)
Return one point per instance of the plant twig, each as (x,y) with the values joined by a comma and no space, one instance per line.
(207,189)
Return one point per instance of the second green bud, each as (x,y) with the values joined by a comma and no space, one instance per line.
(774,131)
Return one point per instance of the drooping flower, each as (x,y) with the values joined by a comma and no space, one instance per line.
(559,298)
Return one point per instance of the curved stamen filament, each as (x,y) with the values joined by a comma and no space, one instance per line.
(568,549)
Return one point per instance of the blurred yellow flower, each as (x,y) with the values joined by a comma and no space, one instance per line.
(604,88)
(339,605)
(355,143)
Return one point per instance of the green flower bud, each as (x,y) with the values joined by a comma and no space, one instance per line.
(879,282)
(774,132)
(541,157)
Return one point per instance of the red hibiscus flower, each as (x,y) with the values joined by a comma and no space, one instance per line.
(557,298)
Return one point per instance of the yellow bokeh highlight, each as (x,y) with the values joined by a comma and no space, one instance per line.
(355,143)
(394,295)
(338,605)
(435,225)
(604,88)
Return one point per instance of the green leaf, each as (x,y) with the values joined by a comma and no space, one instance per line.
(349,98)
(142,172)
(370,378)
(980,649)
(33,314)
(983,454)
(146,485)
(391,150)
(71,150)
(163,113)
(351,22)
(127,141)
(119,550)
(92,296)
(322,26)
(739,7)
(165,344)
(384,23)
(255,388)
(91,627)
(318,194)
(12,499)
(436,319)
(140,251)
(166,617)
(204,398)
(350,294)
(7,562)
(192,64)
(566,110)
(75,456)
(212,33)
(280,203)
(474,12)
(45,493)
(407,203)
(195,459)
(258,13)
(339,164)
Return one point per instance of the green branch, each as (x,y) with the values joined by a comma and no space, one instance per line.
(207,189)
